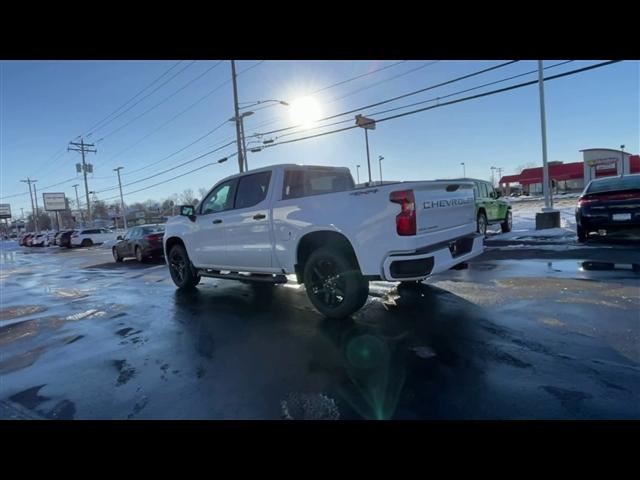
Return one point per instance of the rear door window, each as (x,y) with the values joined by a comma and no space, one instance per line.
(315,181)
(252,189)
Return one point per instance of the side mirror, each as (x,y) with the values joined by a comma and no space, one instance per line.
(119,237)
(498,194)
(188,211)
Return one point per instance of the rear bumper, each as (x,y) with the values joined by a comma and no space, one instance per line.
(432,259)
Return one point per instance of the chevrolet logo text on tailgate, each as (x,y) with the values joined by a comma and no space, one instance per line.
(448,203)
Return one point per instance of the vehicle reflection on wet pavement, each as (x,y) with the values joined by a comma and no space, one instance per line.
(85,338)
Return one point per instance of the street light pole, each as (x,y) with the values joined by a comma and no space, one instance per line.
(124,213)
(237,117)
(548,201)
(380,158)
(464,171)
(358,173)
(622,159)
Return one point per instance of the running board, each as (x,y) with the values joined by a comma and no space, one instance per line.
(250,277)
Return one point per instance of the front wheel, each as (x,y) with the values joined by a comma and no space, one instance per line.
(508,223)
(139,256)
(334,285)
(116,255)
(182,272)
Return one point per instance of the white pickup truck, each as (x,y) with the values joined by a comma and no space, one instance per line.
(313,222)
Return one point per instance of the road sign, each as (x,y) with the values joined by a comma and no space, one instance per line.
(364,122)
(5,210)
(54,202)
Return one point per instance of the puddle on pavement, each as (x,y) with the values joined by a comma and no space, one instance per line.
(29,398)
(309,407)
(10,313)
(69,294)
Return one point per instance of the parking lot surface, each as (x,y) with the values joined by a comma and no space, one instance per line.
(519,334)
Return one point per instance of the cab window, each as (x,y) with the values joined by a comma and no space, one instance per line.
(220,198)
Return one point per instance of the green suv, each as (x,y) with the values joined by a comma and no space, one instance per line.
(490,210)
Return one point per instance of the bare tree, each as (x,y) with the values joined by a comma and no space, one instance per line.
(203,191)
(188,198)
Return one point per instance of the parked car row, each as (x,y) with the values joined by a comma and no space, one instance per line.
(140,242)
(68,238)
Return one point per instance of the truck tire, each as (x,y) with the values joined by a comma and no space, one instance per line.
(181,270)
(508,223)
(482,224)
(334,285)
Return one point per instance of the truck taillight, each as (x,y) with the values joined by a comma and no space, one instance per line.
(406,219)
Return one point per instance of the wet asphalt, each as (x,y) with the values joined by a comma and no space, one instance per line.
(513,336)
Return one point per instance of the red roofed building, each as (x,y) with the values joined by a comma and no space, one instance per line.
(570,177)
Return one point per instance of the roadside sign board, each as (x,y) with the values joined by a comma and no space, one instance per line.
(364,122)
(5,210)
(54,202)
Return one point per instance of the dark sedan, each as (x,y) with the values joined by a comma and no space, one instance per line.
(609,204)
(140,242)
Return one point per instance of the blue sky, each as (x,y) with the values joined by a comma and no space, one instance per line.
(45,104)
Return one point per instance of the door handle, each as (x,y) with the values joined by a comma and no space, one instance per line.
(259,216)
(217,220)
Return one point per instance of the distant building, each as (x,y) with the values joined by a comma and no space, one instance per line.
(572,177)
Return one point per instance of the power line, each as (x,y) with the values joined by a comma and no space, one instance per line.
(342,82)
(104,121)
(134,97)
(41,188)
(177,151)
(432,99)
(161,101)
(171,179)
(354,92)
(168,121)
(472,97)
(415,92)
(168,169)
(142,99)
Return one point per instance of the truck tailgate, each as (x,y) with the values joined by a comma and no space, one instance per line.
(443,206)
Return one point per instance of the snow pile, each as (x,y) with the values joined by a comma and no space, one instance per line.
(524,222)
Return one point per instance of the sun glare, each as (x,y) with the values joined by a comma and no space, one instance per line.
(305,112)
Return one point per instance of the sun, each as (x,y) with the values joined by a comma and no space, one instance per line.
(305,112)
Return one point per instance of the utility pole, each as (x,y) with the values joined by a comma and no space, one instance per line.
(622,160)
(78,202)
(33,211)
(83,148)
(124,213)
(35,198)
(380,158)
(464,170)
(238,119)
(358,173)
